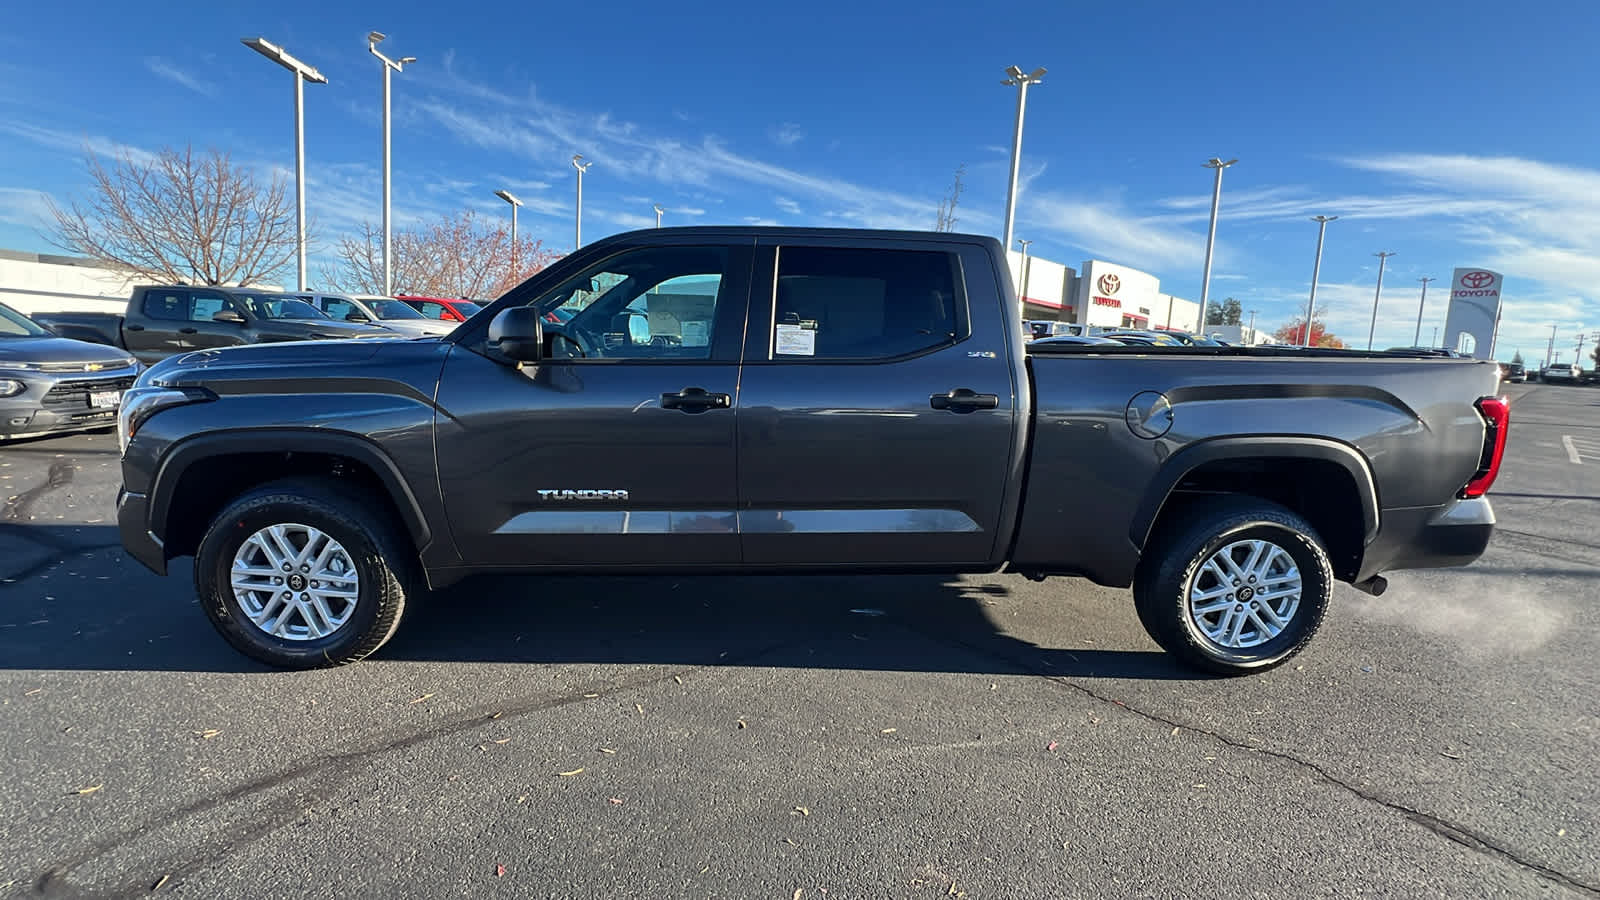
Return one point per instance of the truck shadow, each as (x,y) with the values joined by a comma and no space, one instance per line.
(916,623)
(88,607)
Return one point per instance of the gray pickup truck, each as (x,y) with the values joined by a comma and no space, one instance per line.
(748,400)
(163,320)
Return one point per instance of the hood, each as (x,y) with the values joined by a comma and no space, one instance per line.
(55,350)
(329,327)
(301,362)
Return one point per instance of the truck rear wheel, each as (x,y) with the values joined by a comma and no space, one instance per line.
(302,574)
(1235,586)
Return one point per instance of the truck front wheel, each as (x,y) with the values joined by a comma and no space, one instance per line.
(1234,586)
(302,574)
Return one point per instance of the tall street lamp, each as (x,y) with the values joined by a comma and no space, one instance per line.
(1253,327)
(659,210)
(1416,339)
(1023,301)
(374,38)
(577,231)
(511,198)
(1316,273)
(1021,82)
(1211,236)
(1383,257)
(302,74)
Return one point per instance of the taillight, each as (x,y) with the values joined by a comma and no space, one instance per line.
(1496,412)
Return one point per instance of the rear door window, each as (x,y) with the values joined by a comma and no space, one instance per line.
(834,303)
(168,305)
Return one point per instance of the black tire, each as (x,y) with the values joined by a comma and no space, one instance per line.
(1178,551)
(383,558)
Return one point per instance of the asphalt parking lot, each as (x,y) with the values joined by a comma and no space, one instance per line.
(821,737)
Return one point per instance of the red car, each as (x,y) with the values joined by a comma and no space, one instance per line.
(456,310)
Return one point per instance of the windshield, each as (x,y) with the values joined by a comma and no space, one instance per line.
(466,307)
(393,309)
(278,306)
(15,324)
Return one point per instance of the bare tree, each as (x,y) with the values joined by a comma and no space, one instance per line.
(454,256)
(180,216)
(947,206)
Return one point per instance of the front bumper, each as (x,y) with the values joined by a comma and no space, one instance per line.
(61,403)
(1455,534)
(133,526)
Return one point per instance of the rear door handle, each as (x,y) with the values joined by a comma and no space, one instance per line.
(133,328)
(963,400)
(188,331)
(695,399)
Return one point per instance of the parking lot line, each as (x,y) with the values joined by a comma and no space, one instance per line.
(1581,448)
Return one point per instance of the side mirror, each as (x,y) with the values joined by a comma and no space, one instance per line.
(518,334)
(228,316)
(356,316)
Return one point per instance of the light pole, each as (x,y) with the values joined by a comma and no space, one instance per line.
(1383,257)
(302,74)
(582,167)
(1022,301)
(1214,162)
(1435,341)
(374,38)
(1551,349)
(1416,339)
(659,210)
(1316,272)
(511,198)
(1252,328)
(1020,82)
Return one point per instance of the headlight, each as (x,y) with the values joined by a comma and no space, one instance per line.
(10,387)
(140,403)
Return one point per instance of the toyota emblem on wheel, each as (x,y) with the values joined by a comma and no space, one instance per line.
(1109,284)
(1477,279)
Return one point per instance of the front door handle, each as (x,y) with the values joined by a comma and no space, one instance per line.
(695,400)
(188,331)
(133,328)
(963,400)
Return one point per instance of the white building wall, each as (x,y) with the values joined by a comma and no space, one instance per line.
(33,282)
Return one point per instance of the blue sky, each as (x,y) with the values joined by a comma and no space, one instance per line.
(1460,133)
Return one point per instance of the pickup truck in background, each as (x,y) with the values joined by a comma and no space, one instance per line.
(163,321)
(751,400)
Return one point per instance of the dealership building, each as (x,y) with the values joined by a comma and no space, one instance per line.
(1098,293)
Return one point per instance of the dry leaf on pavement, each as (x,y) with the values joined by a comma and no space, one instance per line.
(422,698)
(499,871)
(577,771)
(89,790)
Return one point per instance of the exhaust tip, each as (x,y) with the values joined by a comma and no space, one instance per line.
(1375,585)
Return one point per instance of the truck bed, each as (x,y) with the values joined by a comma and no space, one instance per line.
(1406,420)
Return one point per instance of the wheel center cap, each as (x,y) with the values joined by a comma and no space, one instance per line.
(297,582)
(1245,594)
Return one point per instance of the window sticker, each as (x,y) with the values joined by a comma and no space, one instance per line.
(795,340)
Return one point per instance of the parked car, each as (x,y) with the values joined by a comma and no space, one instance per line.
(653,433)
(395,315)
(1075,340)
(1561,373)
(1425,351)
(1041,328)
(163,320)
(1512,372)
(1190,340)
(52,385)
(1142,338)
(458,310)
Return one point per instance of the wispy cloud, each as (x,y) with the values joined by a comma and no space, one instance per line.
(787,205)
(625,219)
(786,135)
(1114,233)
(74,143)
(172,73)
(24,206)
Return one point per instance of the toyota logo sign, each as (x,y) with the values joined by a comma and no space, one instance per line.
(1109,284)
(1477,280)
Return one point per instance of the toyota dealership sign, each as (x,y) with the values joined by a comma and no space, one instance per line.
(1474,311)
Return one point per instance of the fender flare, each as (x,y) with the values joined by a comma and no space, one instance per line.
(1180,464)
(176,461)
